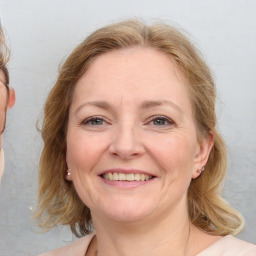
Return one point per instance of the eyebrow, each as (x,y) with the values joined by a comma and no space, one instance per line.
(145,105)
(100,104)
(157,103)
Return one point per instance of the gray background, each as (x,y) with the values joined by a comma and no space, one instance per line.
(42,32)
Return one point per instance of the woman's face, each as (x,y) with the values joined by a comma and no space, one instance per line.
(131,143)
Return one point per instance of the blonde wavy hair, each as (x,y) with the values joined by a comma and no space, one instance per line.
(58,202)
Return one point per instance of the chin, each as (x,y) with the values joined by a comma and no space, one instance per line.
(127,212)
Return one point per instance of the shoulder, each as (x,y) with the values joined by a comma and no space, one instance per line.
(77,248)
(240,246)
(230,246)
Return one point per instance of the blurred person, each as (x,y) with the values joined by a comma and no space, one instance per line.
(7,94)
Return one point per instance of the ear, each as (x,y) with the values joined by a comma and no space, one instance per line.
(12,98)
(202,154)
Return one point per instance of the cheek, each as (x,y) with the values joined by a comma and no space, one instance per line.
(175,153)
(83,151)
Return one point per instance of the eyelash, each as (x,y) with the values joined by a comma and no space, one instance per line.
(168,121)
(92,119)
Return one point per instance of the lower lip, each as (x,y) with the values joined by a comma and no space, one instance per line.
(126,184)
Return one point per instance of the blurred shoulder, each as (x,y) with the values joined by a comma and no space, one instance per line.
(77,248)
(230,246)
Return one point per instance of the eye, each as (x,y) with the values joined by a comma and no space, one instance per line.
(161,121)
(94,121)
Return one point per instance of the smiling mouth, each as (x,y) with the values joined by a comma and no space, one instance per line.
(118,176)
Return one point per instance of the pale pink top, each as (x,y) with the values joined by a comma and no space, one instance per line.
(226,246)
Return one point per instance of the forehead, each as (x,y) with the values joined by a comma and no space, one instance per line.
(133,70)
(129,59)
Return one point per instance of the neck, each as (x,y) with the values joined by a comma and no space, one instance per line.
(164,236)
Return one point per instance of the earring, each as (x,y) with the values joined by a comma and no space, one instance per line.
(69,172)
(200,170)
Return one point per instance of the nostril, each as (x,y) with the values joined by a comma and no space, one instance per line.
(126,143)
(126,151)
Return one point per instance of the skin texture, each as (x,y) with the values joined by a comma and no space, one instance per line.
(131,111)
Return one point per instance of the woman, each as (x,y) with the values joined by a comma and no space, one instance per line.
(7,95)
(131,147)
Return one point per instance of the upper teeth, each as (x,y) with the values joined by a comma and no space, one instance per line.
(126,177)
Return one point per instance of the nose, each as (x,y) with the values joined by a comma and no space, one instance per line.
(126,143)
